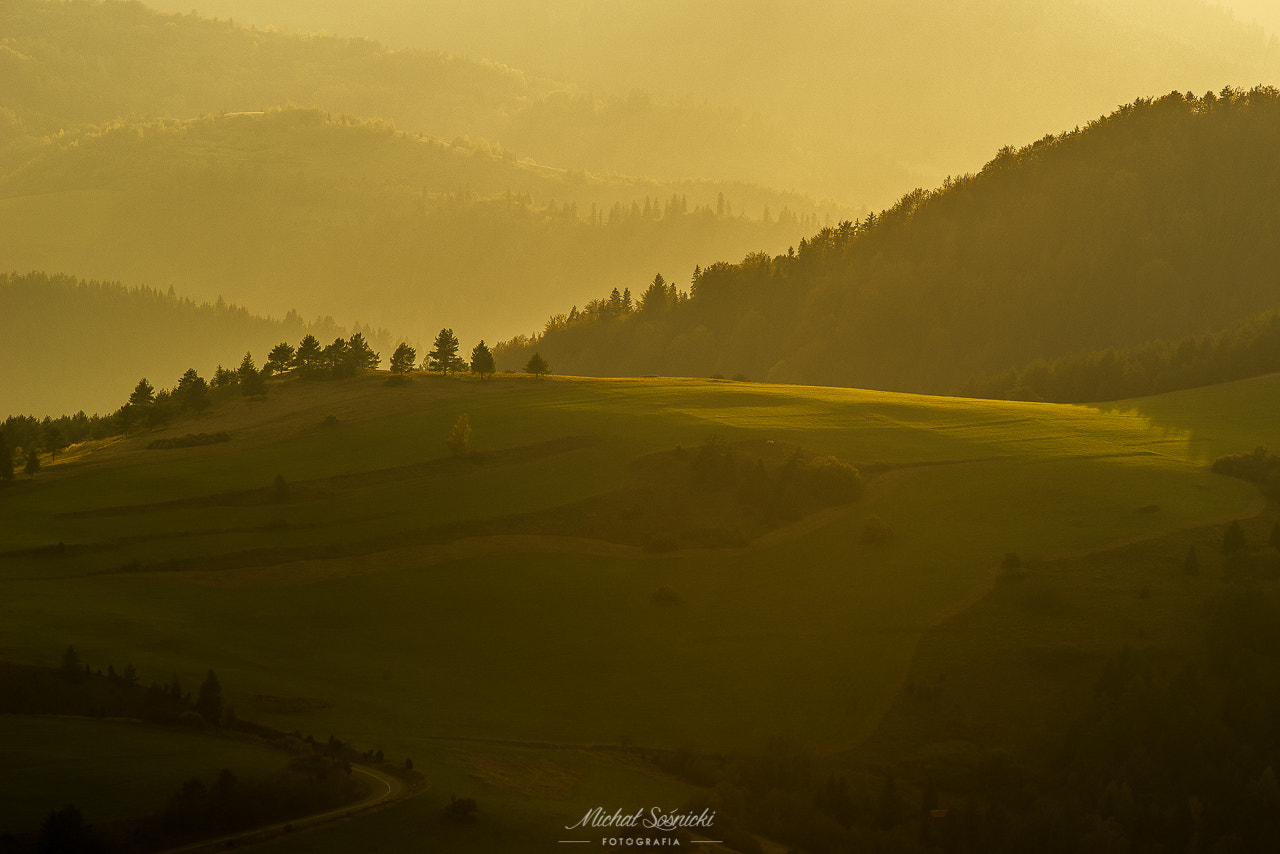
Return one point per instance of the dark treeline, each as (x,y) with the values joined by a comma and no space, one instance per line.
(23,439)
(68,342)
(193,394)
(1155,222)
(1249,349)
(1164,754)
(318,778)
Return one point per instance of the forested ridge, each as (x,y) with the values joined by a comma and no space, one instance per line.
(1158,221)
(856,100)
(68,65)
(330,215)
(334,176)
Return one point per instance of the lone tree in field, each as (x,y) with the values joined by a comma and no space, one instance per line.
(460,435)
(443,355)
(280,359)
(209,700)
(143,393)
(537,366)
(482,360)
(403,359)
(33,462)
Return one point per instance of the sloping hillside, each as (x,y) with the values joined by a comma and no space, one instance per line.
(1158,221)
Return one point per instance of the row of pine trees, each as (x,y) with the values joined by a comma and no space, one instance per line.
(26,437)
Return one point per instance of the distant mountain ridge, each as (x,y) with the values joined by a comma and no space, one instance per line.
(67,65)
(332,215)
(879,96)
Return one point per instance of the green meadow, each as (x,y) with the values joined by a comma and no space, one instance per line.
(384,586)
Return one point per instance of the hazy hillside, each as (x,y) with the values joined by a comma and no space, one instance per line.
(69,64)
(1158,221)
(72,345)
(300,210)
(884,95)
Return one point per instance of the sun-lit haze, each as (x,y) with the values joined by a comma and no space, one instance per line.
(719,425)
(773,118)
(1265,13)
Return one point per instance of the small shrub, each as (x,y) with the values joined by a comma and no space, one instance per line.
(661,542)
(665,596)
(191,440)
(461,810)
(876,531)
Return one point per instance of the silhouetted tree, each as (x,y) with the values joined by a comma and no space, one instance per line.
(143,393)
(280,359)
(403,359)
(6,459)
(224,377)
(310,357)
(71,668)
(482,360)
(537,366)
(65,832)
(443,354)
(192,391)
(252,383)
(361,355)
(1233,539)
(209,700)
(53,439)
(336,360)
(33,463)
(460,435)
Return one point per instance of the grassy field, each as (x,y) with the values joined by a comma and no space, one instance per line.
(349,593)
(109,769)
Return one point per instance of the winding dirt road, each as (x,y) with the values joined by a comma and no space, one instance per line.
(385,789)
